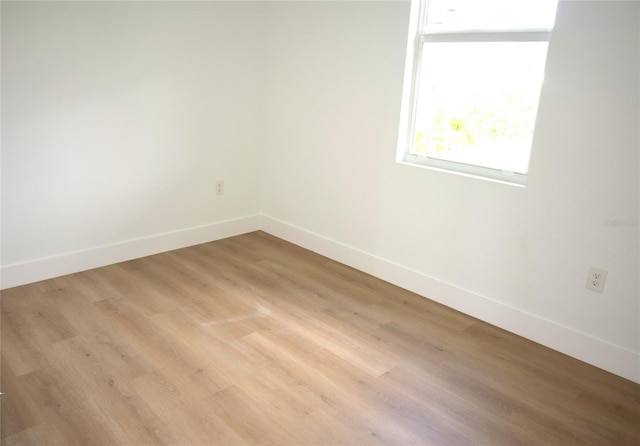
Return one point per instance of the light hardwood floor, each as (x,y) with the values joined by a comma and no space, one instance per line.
(252,340)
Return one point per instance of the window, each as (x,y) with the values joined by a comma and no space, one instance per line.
(474,73)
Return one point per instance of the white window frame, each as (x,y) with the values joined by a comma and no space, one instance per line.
(417,38)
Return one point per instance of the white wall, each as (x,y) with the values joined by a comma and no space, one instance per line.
(118,118)
(515,257)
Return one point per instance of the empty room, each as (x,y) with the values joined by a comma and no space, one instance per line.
(396,222)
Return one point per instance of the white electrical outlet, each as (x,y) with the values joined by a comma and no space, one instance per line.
(596,279)
(220,187)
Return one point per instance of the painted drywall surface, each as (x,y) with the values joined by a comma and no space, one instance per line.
(116,135)
(334,80)
(331,84)
(118,118)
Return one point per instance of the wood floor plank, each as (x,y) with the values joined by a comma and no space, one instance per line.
(251,340)
(328,427)
(357,395)
(256,424)
(15,416)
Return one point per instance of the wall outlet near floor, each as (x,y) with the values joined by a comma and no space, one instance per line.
(220,187)
(596,279)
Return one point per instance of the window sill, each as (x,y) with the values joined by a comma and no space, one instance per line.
(465,170)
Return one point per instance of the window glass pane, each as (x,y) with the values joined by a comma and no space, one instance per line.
(477,102)
(489,15)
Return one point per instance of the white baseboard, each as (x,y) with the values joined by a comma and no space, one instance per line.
(599,353)
(69,263)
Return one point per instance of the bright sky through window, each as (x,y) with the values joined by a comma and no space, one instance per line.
(478,70)
(479,116)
